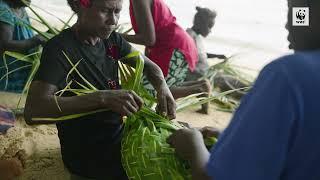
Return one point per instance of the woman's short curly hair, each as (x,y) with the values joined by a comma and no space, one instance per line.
(204,14)
(73,3)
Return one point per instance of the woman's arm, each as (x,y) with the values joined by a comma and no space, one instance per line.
(143,15)
(151,70)
(8,44)
(166,102)
(41,103)
(189,144)
(219,56)
(167,105)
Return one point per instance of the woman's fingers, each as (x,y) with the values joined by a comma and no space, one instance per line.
(171,105)
(137,99)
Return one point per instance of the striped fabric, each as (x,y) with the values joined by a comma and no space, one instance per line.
(177,72)
(7,119)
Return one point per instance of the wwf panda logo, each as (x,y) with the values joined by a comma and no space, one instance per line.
(301,14)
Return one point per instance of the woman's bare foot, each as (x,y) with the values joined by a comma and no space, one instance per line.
(10,169)
(193,87)
(204,109)
(208,131)
(206,87)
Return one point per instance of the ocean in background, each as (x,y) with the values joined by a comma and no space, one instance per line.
(253,30)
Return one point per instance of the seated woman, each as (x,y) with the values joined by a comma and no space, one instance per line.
(203,22)
(15,35)
(91,144)
(167,44)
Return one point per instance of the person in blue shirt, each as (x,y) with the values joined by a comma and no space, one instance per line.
(273,133)
(15,35)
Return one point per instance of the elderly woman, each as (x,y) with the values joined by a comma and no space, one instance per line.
(15,35)
(90,145)
(203,22)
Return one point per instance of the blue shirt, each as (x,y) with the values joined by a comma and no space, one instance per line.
(274,133)
(16,80)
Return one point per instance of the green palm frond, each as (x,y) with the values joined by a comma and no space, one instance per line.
(65,23)
(88,87)
(51,29)
(12,71)
(33,59)
(68,117)
(74,68)
(225,69)
(194,100)
(46,35)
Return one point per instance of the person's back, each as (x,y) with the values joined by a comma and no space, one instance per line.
(169,36)
(303,157)
(273,134)
(279,118)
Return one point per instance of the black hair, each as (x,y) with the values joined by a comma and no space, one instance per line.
(15,3)
(74,4)
(203,14)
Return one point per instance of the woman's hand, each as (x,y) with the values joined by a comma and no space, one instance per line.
(10,169)
(166,104)
(123,102)
(208,132)
(40,40)
(189,144)
(186,142)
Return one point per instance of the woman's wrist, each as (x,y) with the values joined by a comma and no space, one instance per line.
(35,41)
(199,160)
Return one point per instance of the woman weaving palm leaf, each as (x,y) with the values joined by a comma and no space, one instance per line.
(90,145)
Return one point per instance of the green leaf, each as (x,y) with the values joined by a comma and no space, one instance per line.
(66,24)
(79,74)
(198,101)
(44,22)
(68,117)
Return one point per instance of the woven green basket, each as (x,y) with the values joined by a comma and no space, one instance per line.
(146,154)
